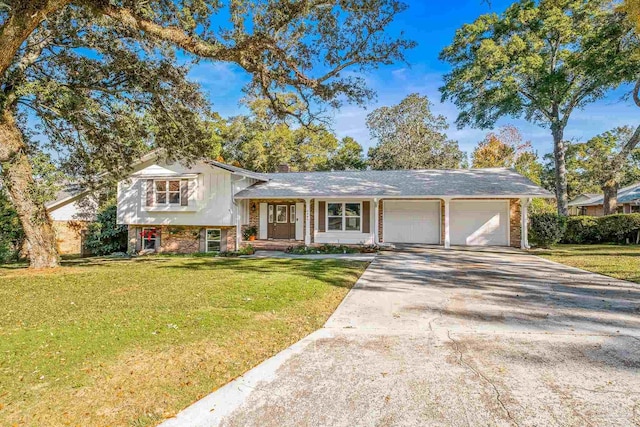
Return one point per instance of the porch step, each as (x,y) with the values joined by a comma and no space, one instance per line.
(272,245)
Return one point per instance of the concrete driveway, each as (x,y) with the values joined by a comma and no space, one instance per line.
(447,338)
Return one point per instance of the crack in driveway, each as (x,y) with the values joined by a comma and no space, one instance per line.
(483,376)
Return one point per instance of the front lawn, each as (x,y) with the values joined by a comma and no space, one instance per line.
(130,342)
(619,261)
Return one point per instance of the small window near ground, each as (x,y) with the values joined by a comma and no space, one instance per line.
(213,240)
(150,238)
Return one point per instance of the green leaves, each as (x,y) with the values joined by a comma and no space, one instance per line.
(410,136)
(538,60)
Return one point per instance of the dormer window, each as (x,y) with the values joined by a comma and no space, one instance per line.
(167,192)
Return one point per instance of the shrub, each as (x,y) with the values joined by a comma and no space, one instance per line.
(250,231)
(330,249)
(618,228)
(546,229)
(104,235)
(582,229)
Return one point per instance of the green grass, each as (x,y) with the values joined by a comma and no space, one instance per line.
(619,261)
(130,342)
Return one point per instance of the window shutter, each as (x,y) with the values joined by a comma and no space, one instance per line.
(366,217)
(202,241)
(184,192)
(138,239)
(149,192)
(322,216)
(158,239)
(223,241)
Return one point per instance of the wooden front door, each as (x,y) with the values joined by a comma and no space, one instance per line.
(281,221)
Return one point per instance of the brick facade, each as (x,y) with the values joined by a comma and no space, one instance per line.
(69,236)
(515,223)
(180,239)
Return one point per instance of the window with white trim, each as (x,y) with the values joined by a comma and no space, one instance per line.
(344,216)
(214,236)
(167,192)
(150,238)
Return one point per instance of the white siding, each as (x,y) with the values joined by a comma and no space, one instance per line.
(210,199)
(75,211)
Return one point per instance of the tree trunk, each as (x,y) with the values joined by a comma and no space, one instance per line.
(610,198)
(559,150)
(17,177)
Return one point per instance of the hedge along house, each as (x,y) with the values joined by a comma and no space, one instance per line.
(205,207)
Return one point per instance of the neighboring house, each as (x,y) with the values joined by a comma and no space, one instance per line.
(71,213)
(173,208)
(592,204)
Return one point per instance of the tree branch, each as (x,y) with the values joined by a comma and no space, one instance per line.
(22,21)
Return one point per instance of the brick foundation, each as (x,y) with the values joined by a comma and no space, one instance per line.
(181,239)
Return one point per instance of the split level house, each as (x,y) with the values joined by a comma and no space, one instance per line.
(169,207)
(593,204)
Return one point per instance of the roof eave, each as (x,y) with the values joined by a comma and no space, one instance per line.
(239,196)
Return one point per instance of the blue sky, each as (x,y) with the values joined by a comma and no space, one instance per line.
(432,25)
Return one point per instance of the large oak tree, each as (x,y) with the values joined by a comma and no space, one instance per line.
(541,60)
(103,80)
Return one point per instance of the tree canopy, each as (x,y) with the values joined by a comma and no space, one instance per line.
(540,60)
(107,81)
(507,149)
(252,143)
(410,136)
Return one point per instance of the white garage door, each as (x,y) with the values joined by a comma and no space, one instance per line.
(411,221)
(479,222)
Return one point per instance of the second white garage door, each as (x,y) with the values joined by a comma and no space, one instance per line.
(411,221)
(479,222)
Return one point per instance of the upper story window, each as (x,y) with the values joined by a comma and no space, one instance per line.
(167,192)
(344,216)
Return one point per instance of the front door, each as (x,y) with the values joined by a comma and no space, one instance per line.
(281,221)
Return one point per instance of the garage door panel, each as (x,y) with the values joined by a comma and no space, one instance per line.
(479,223)
(411,222)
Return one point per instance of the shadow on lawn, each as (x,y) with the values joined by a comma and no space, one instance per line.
(323,269)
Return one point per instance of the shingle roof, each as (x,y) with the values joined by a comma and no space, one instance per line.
(396,183)
(630,193)
(238,171)
(68,192)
